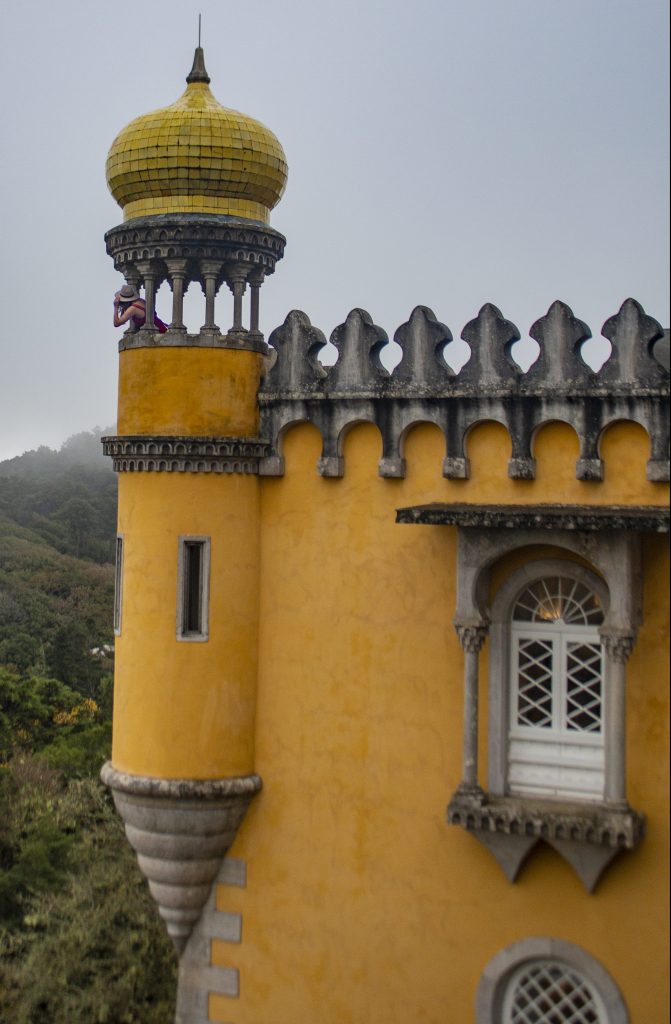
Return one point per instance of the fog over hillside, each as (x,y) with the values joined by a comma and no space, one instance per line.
(83,449)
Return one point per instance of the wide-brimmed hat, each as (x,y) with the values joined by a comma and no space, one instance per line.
(128,293)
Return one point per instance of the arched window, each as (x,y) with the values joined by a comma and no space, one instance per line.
(547,685)
(557,636)
(548,981)
(556,712)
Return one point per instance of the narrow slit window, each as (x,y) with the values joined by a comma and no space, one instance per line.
(192,620)
(118,583)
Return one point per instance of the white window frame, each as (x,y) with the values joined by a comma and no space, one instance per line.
(501,673)
(118,582)
(203,634)
(557,748)
(501,971)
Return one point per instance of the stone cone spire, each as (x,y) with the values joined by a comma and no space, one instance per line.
(180,831)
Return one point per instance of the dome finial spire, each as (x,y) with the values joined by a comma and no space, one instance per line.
(198,72)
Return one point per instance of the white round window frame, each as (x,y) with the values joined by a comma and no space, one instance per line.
(496,977)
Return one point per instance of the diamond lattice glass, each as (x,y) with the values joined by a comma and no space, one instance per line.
(534,689)
(549,992)
(583,687)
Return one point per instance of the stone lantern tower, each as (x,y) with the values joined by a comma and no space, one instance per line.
(196,183)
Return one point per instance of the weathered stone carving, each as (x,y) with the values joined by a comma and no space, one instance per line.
(490,338)
(633,334)
(587,837)
(576,518)
(180,830)
(559,365)
(185,454)
(618,646)
(472,637)
(193,237)
(359,342)
(422,340)
(632,385)
(297,344)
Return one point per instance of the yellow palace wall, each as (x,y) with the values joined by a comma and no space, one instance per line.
(362,905)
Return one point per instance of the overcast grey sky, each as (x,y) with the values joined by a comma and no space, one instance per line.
(442,152)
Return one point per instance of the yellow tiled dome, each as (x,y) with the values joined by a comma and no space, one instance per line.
(196,156)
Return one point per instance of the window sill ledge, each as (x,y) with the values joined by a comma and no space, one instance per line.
(587,836)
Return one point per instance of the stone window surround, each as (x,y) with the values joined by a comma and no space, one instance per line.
(492,986)
(587,835)
(118,583)
(204,635)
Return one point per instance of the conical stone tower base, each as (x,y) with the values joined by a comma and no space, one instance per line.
(180,830)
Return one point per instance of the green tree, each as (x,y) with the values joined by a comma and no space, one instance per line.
(91,948)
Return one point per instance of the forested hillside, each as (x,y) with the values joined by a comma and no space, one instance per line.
(80,939)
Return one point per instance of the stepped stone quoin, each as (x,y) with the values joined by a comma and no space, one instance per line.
(632,385)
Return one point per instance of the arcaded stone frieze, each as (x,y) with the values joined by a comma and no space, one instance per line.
(185,454)
(633,384)
(193,238)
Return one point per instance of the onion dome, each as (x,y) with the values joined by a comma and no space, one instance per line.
(196,156)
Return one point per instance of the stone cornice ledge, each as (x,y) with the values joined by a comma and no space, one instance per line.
(653,518)
(179,789)
(243,341)
(178,454)
(587,836)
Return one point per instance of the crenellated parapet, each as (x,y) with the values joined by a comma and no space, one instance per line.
(633,384)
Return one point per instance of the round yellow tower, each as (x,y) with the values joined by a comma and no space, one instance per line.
(196,183)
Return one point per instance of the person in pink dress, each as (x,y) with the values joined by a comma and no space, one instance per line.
(129,308)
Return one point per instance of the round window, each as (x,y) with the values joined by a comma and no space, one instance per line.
(551,992)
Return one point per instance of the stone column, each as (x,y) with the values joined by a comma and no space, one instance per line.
(471,637)
(210,270)
(149,277)
(255,282)
(617,648)
(177,275)
(236,279)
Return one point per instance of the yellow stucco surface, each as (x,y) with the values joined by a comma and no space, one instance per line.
(196,391)
(182,708)
(362,905)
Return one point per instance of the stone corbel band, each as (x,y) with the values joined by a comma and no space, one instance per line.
(185,454)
